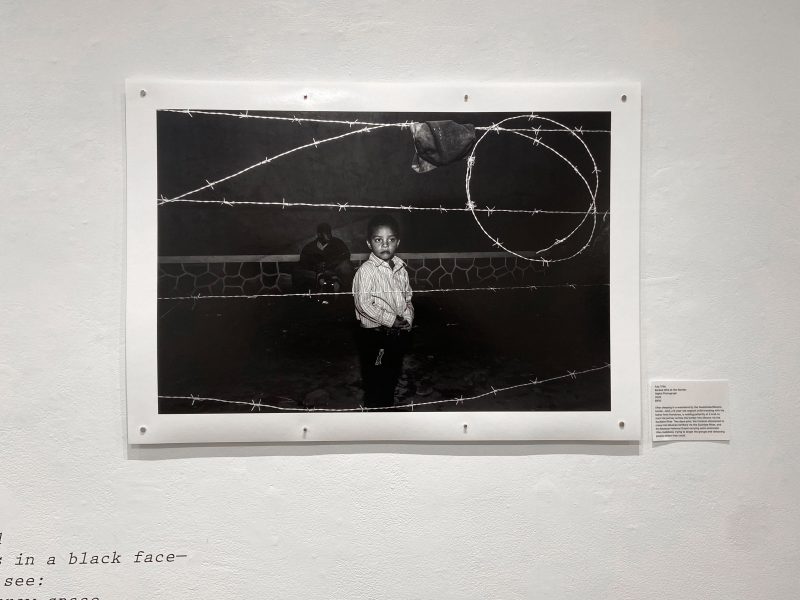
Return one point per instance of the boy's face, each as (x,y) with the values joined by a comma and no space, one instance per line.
(383,242)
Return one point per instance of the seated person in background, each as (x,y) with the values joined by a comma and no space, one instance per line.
(324,264)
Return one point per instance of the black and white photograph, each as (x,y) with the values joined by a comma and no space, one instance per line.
(342,262)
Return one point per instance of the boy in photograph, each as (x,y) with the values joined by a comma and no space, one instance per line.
(382,297)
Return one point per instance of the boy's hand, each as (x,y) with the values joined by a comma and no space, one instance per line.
(401,323)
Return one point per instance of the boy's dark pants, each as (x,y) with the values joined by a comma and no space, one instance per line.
(381,351)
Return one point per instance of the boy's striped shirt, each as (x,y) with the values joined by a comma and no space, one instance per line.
(382,292)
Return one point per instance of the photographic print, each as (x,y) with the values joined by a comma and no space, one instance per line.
(412,266)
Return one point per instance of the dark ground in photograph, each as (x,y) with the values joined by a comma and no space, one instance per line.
(298,352)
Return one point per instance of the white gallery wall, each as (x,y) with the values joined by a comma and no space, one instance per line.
(719,286)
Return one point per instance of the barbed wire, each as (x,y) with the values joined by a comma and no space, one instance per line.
(257,404)
(344,206)
(470,204)
(537,141)
(314,143)
(294,119)
(433,291)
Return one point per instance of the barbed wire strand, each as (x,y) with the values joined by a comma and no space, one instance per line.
(257,404)
(433,291)
(314,143)
(294,119)
(346,205)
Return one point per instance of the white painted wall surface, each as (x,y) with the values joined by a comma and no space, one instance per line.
(720,255)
